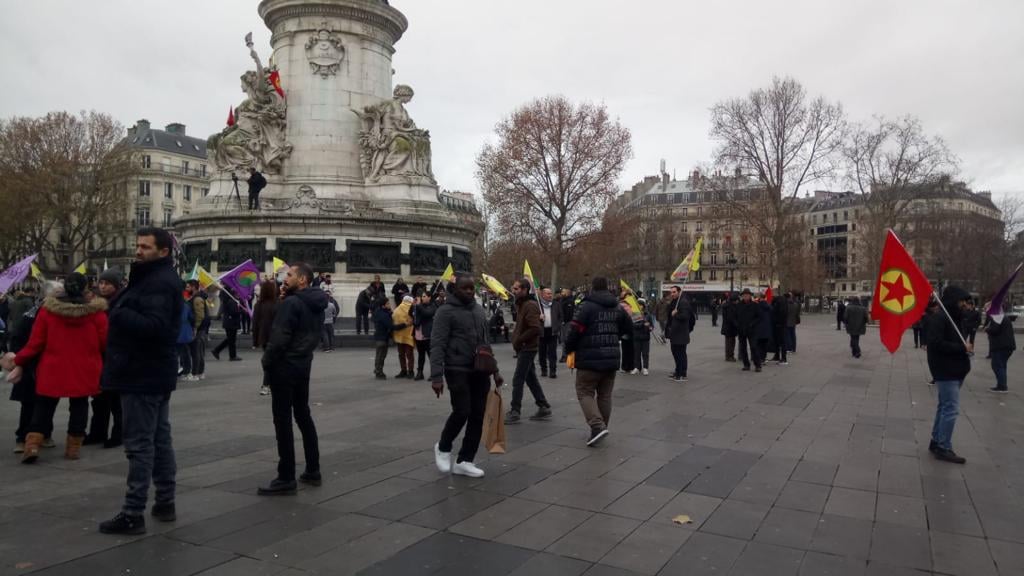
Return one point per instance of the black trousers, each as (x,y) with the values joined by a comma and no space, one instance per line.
(744,342)
(104,406)
(681,361)
(855,345)
(246,323)
(468,393)
(28,406)
(362,321)
(45,407)
(779,342)
(422,353)
(379,357)
(626,359)
(229,341)
(526,373)
(290,395)
(548,352)
(254,200)
(730,347)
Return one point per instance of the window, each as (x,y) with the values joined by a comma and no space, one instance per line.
(142,216)
(187,192)
(685,210)
(835,217)
(846,215)
(700,210)
(168,190)
(168,216)
(147,161)
(184,166)
(844,287)
(202,169)
(714,259)
(143,187)
(700,226)
(677,198)
(714,274)
(684,226)
(206,192)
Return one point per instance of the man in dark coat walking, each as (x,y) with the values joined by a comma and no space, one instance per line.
(856,320)
(231,320)
(526,341)
(594,335)
(287,363)
(142,364)
(840,315)
(780,314)
(729,327)
(681,320)
(748,319)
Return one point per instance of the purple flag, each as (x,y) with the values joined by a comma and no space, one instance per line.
(16,273)
(242,281)
(995,309)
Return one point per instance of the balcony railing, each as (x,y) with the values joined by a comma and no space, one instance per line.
(162,168)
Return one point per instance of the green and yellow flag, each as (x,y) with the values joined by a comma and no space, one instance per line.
(630,296)
(81,268)
(689,264)
(449,273)
(495,286)
(527,272)
(37,273)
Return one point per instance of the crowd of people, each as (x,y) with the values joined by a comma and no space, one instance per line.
(125,343)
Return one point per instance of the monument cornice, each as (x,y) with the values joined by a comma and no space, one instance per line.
(381,16)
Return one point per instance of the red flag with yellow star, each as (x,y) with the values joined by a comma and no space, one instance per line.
(901,293)
(275,81)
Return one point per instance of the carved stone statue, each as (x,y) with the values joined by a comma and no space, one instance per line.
(258,137)
(392,145)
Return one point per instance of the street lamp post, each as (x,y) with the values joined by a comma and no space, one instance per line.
(731,262)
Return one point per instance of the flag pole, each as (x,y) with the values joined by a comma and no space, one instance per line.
(951,321)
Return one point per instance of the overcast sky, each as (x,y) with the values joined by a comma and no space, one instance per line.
(657,65)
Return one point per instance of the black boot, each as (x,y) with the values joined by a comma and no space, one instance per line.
(164,512)
(124,524)
(278,487)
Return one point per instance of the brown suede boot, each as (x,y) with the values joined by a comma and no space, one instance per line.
(73,448)
(32,443)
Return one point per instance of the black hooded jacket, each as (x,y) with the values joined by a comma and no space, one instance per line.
(459,327)
(295,334)
(947,356)
(595,331)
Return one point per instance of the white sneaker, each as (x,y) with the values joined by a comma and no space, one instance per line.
(201,377)
(443,460)
(646,372)
(635,372)
(264,391)
(467,469)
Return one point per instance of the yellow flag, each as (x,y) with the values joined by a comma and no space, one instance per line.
(529,274)
(204,277)
(695,262)
(278,264)
(37,273)
(495,286)
(630,298)
(449,274)
(81,268)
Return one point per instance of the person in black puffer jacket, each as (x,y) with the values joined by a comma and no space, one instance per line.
(729,329)
(287,362)
(142,364)
(460,328)
(423,322)
(1001,344)
(594,335)
(949,361)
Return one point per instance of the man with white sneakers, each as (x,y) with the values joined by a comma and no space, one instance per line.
(459,330)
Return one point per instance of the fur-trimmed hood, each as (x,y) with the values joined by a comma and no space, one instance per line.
(73,310)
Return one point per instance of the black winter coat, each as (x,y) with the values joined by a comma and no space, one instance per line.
(363,301)
(423,318)
(748,317)
(383,325)
(1000,336)
(595,331)
(729,328)
(294,335)
(780,312)
(681,323)
(25,389)
(231,313)
(459,327)
(764,323)
(947,356)
(145,318)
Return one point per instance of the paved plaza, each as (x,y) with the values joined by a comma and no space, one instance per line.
(820,467)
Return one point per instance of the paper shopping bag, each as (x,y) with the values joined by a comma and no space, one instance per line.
(494,424)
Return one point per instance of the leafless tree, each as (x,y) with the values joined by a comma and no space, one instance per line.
(893,164)
(68,175)
(785,140)
(553,172)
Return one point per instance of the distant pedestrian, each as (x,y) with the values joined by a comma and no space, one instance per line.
(525,342)
(399,290)
(840,315)
(363,303)
(594,335)
(404,339)
(185,337)
(765,327)
(949,362)
(715,307)
(327,323)
(856,320)
(256,183)
(551,314)
(287,361)
(1001,344)
(383,327)
(105,426)
(459,332)
(642,329)
(24,390)
(231,321)
(423,324)
(780,318)
(972,321)
(68,339)
(792,321)
(263,321)
(729,329)
(196,299)
(748,323)
(681,322)
(141,365)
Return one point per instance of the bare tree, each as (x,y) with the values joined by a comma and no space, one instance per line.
(71,174)
(893,164)
(783,139)
(553,172)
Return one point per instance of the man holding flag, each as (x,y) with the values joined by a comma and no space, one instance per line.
(901,296)
(999,327)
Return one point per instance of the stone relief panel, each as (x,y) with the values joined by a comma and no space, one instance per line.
(201,251)
(231,253)
(375,257)
(319,254)
(430,260)
(324,51)
(462,260)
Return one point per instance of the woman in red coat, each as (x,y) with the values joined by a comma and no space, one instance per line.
(68,339)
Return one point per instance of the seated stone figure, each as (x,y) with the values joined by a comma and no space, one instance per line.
(392,145)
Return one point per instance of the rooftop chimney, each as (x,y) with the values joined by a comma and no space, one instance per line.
(142,125)
(176,128)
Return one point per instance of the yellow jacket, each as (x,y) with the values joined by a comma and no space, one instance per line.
(402,315)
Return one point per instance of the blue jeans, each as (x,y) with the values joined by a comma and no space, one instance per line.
(147,444)
(999,360)
(946,412)
(791,338)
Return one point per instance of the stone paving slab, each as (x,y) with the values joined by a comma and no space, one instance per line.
(819,467)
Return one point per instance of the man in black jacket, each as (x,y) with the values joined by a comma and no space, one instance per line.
(594,335)
(287,363)
(231,321)
(747,319)
(949,361)
(363,302)
(729,327)
(142,364)
(681,321)
(256,184)
(780,313)
(551,315)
